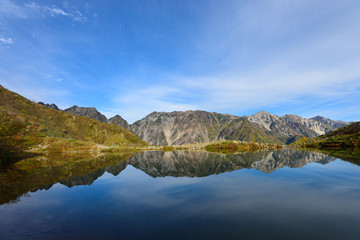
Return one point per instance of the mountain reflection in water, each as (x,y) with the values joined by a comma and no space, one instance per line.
(183,195)
(15,182)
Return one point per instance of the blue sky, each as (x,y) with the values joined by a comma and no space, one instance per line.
(135,57)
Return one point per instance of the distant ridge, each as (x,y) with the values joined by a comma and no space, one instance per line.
(292,125)
(52,106)
(91,112)
(177,128)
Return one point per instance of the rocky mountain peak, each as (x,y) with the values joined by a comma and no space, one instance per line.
(119,121)
(262,113)
(89,112)
(264,119)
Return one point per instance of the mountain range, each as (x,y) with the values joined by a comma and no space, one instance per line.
(187,127)
(177,128)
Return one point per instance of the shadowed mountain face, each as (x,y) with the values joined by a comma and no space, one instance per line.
(119,121)
(177,128)
(89,112)
(15,182)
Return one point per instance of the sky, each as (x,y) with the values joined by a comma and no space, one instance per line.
(138,56)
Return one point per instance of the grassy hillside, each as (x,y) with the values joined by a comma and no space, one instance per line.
(25,124)
(348,136)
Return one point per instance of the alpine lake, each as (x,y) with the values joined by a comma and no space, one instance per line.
(283,194)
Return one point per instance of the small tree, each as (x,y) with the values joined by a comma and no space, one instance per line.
(303,139)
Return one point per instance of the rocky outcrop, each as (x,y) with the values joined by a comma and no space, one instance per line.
(119,121)
(329,122)
(52,106)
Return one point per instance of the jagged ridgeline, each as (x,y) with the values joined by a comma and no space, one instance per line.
(26,122)
(91,112)
(177,128)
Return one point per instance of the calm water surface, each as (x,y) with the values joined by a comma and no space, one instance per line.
(285,194)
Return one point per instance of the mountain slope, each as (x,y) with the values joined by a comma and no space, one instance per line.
(26,122)
(244,130)
(176,128)
(348,136)
(293,125)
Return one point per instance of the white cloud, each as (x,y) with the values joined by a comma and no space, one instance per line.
(6,41)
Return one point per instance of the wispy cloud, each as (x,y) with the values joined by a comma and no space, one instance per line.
(6,40)
(9,8)
(34,10)
(139,102)
(253,56)
(238,94)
